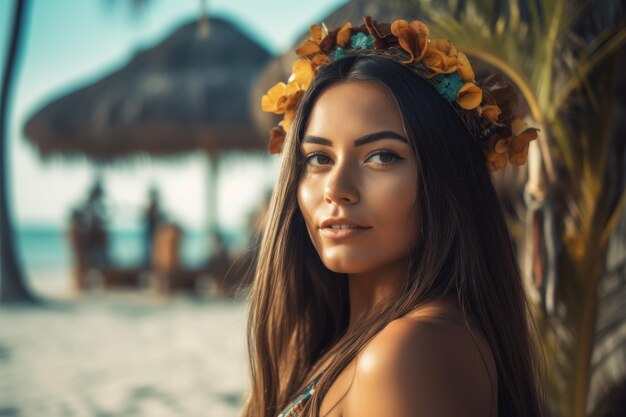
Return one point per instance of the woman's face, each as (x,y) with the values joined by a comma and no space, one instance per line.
(355,173)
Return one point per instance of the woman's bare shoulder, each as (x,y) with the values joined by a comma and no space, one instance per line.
(420,365)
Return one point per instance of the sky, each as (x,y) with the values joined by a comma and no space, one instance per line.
(69,44)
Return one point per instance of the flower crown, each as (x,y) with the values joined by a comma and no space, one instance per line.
(487,108)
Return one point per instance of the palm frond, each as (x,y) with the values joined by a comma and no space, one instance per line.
(562,57)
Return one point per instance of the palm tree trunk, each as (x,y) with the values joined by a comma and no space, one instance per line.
(12,278)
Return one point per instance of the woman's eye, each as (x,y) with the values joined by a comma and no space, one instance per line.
(384,158)
(323,159)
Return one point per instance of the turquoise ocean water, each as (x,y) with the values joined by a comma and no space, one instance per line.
(47,248)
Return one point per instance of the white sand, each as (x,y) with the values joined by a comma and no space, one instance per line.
(123,354)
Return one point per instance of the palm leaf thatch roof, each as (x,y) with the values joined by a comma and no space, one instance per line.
(188,92)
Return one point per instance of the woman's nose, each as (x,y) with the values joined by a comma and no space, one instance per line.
(341,187)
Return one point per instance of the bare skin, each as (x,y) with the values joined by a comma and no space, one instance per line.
(374,184)
(436,331)
(426,363)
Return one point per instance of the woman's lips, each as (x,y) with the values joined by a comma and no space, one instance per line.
(340,234)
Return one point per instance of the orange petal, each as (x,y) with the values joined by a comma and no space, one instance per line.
(450,63)
(491,113)
(320,59)
(292,88)
(397,25)
(465,69)
(469,96)
(273,100)
(277,90)
(268,104)
(344,35)
(286,123)
(412,37)
(518,158)
(502,146)
(439,62)
(422,32)
(443,45)
(303,70)
(420,28)
(292,97)
(308,47)
(406,37)
(441,56)
(520,142)
(518,126)
(408,41)
(277,138)
(377,30)
(433,58)
(318,32)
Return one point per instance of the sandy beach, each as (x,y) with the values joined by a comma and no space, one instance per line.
(121,353)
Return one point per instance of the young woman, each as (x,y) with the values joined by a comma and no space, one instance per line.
(386,282)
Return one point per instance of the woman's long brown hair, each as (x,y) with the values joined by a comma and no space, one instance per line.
(298,308)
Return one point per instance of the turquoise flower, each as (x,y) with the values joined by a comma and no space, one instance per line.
(362,41)
(339,53)
(449,85)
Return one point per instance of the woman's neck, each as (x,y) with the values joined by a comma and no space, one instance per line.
(372,290)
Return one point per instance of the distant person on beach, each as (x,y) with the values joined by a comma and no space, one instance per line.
(76,235)
(166,255)
(97,239)
(94,208)
(219,263)
(386,282)
(88,236)
(152,218)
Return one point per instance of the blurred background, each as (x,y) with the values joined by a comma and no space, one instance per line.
(135,177)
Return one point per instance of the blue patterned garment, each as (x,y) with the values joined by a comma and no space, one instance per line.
(295,408)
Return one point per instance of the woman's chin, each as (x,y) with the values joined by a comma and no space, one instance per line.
(346,265)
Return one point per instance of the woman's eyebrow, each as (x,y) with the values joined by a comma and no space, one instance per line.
(386,134)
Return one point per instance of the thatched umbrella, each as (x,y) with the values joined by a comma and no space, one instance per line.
(189,92)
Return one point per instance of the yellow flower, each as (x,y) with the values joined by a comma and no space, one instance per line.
(274,100)
(413,38)
(465,69)
(518,145)
(284,98)
(281,97)
(303,72)
(319,59)
(441,57)
(288,119)
(491,113)
(509,137)
(497,154)
(469,96)
(321,42)
(513,147)
(344,35)
(312,45)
